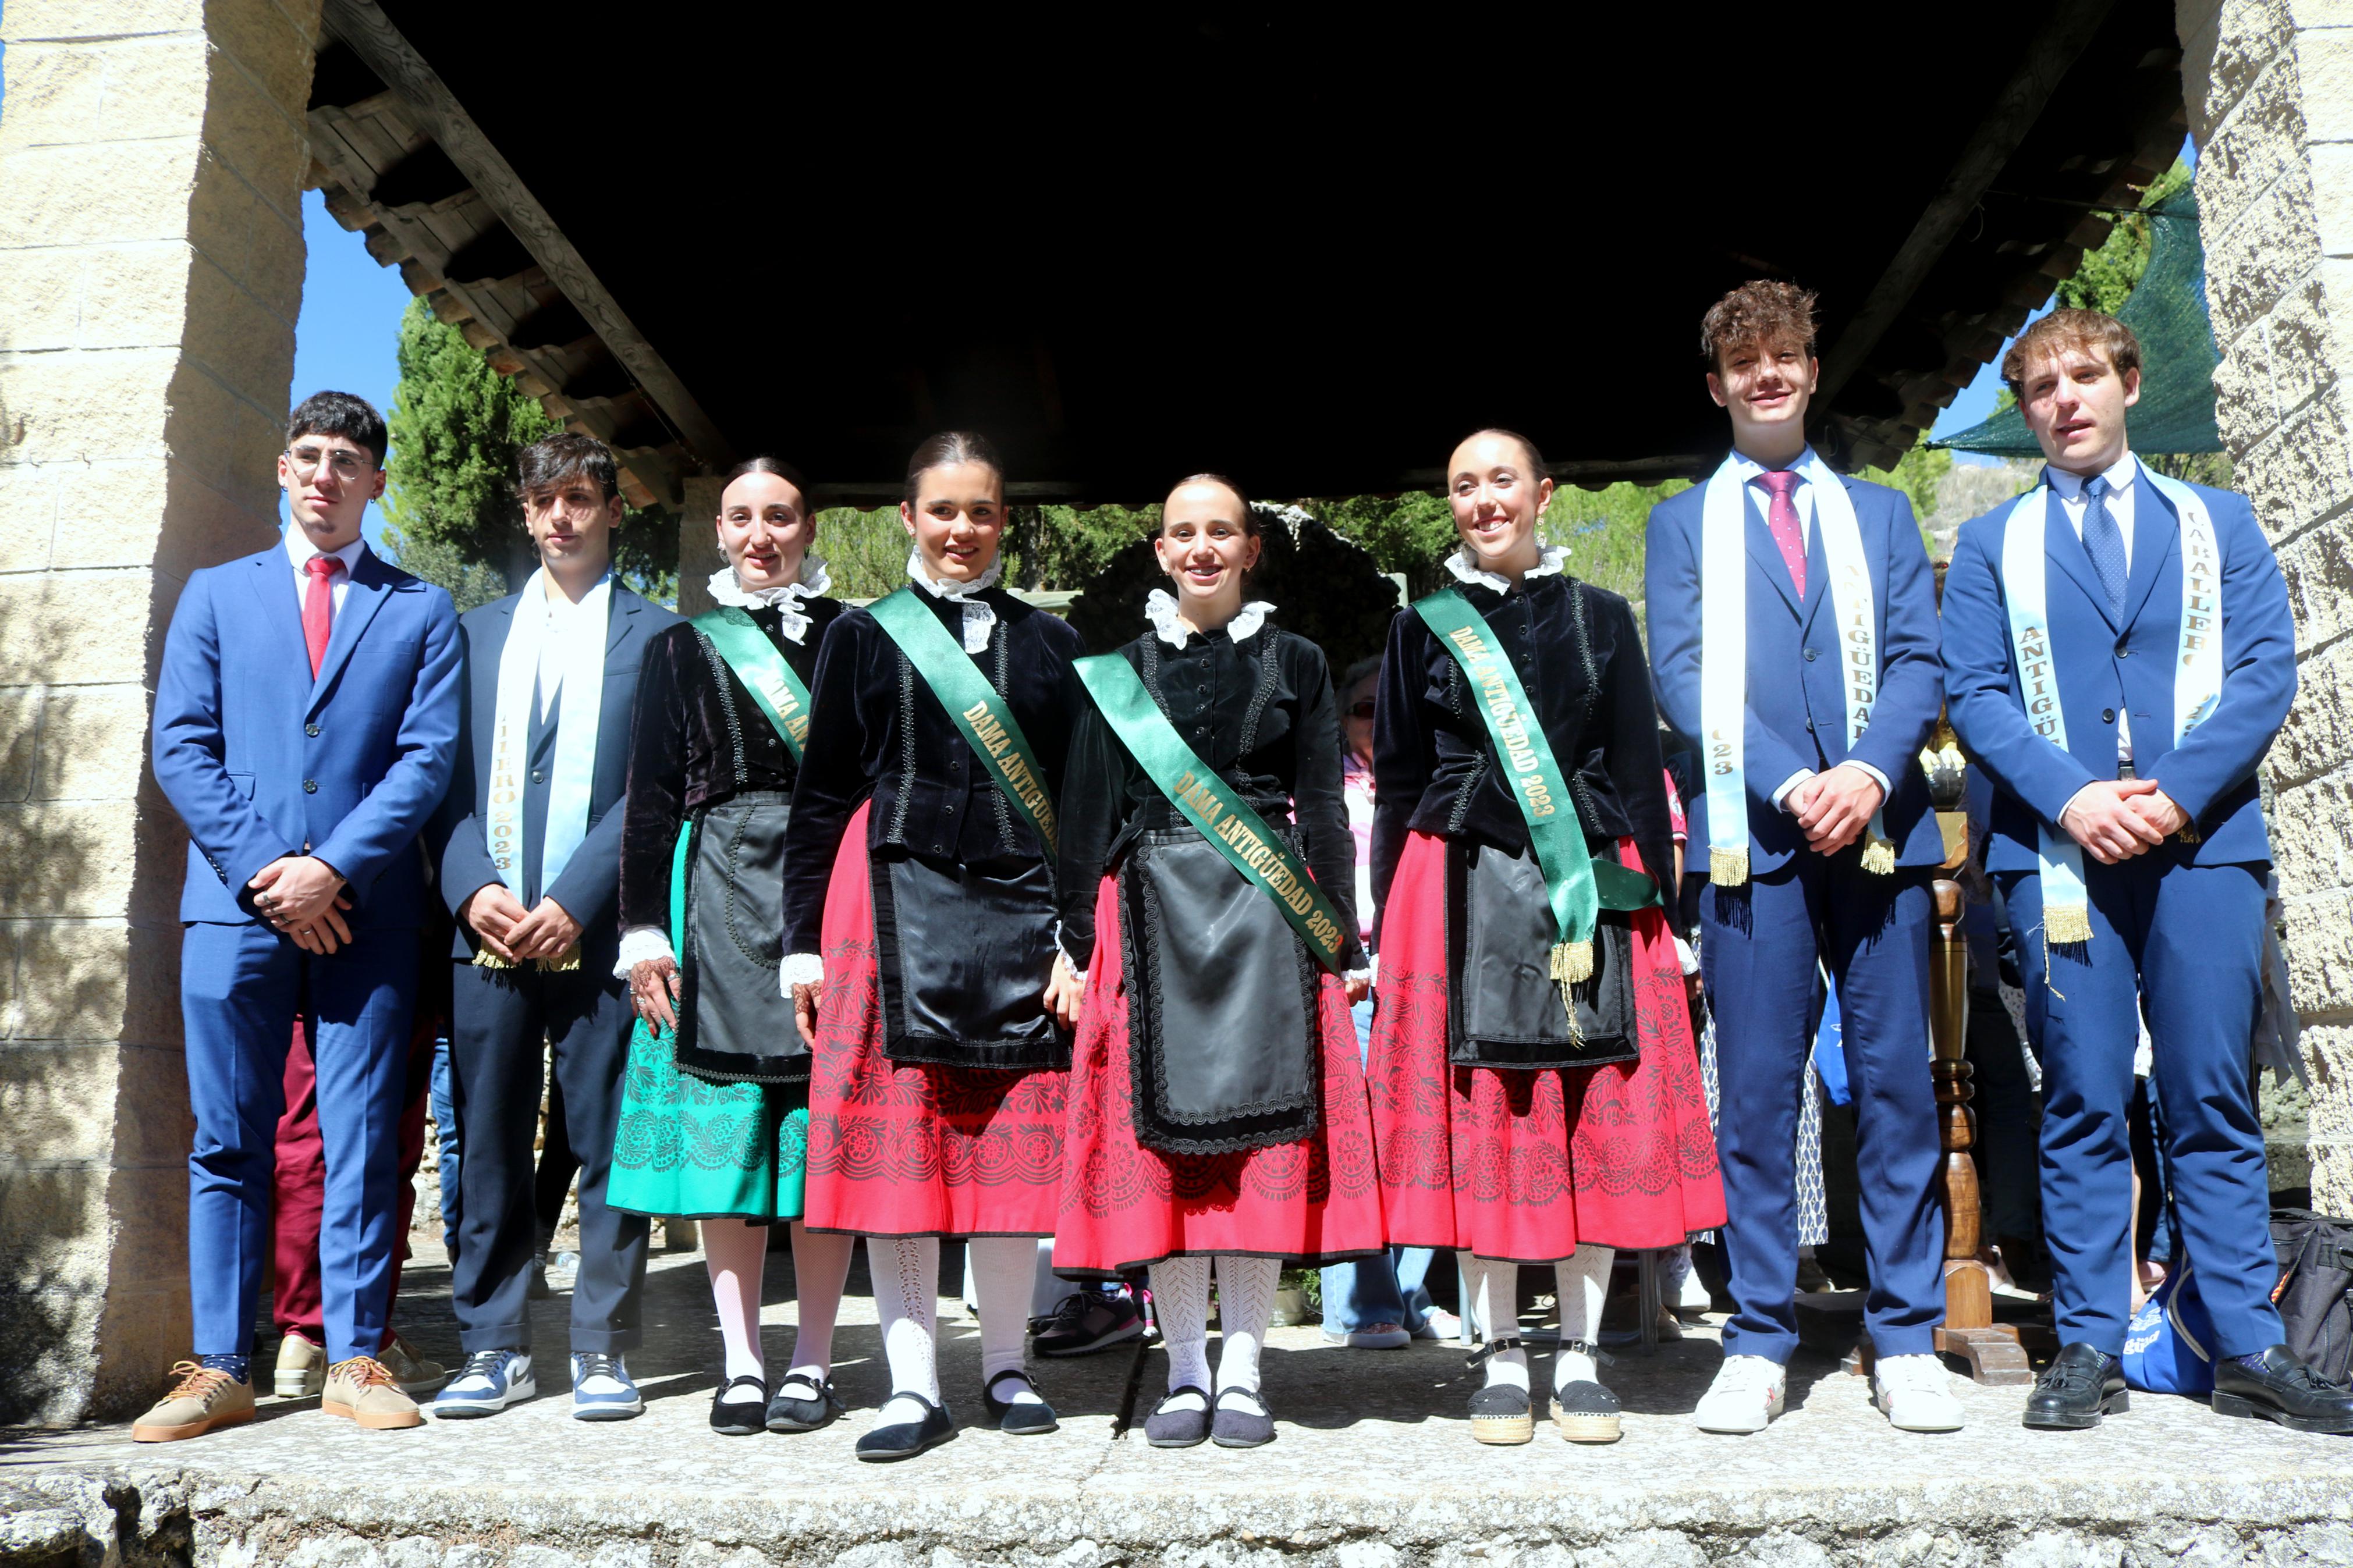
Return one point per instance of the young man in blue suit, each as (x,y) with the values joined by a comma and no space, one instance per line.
(1793,640)
(2118,656)
(306,716)
(529,845)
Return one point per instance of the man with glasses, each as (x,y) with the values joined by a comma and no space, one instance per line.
(306,718)
(529,845)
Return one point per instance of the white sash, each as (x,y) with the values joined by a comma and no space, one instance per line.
(2197,670)
(578,666)
(1724,653)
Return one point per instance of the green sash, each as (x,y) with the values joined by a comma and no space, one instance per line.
(987,724)
(1581,887)
(1213,807)
(762,670)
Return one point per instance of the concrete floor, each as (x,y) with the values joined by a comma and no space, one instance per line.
(1374,1465)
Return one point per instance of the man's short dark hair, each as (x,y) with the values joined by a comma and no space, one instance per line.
(339,414)
(548,462)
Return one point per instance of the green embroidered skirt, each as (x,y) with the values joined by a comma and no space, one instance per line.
(705,1151)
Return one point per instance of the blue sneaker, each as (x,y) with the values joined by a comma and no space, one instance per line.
(601,1389)
(486,1384)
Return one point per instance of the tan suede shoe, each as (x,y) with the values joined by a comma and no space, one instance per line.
(412,1373)
(361,1390)
(302,1368)
(200,1400)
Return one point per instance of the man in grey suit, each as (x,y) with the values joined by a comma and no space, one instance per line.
(529,845)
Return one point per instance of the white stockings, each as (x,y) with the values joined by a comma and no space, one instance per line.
(906,1271)
(1180,1299)
(1583,1279)
(1495,1301)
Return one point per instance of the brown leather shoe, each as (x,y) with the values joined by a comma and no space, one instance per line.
(200,1400)
(411,1374)
(363,1391)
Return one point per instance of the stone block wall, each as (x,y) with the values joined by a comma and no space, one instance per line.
(2268,85)
(152,158)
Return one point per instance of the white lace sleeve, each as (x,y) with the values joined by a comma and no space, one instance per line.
(802,969)
(639,943)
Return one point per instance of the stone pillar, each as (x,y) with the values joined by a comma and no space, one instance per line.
(2268,85)
(151,159)
(697,554)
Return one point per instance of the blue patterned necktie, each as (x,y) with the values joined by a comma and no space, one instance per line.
(2103,542)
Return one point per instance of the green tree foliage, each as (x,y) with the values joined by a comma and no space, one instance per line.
(454,516)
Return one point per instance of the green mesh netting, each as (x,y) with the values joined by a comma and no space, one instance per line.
(2167,313)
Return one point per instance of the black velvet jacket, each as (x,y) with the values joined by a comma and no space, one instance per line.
(691,708)
(875,730)
(1434,767)
(1260,712)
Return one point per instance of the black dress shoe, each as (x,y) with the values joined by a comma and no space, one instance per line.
(790,1411)
(2285,1391)
(2081,1384)
(905,1439)
(1245,1423)
(736,1408)
(1166,1428)
(1020,1417)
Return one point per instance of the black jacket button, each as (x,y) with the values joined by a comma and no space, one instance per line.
(309,787)
(2107,715)
(1810,656)
(311,730)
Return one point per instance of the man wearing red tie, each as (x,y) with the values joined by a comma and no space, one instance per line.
(306,722)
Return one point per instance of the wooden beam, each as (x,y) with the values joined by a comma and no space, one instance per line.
(363,25)
(2049,57)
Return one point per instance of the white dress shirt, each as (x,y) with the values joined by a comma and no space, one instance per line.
(299,550)
(1802,498)
(563,609)
(2068,488)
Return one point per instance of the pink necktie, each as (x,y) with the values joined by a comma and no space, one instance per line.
(1781,517)
(319,606)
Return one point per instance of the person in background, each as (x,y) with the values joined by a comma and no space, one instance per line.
(2120,656)
(529,844)
(306,724)
(1374,1304)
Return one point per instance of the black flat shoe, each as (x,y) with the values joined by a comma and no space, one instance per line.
(735,1413)
(1500,1413)
(1021,1419)
(2075,1390)
(1586,1412)
(905,1439)
(788,1412)
(1241,1425)
(2285,1391)
(1166,1428)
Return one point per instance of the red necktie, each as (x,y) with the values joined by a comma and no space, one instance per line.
(1781,517)
(319,606)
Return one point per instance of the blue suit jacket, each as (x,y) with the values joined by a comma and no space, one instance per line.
(2109,663)
(260,760)
(589,887)
(1797,708)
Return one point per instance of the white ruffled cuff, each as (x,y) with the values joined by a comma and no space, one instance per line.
(1685,957)
(1365,975)
(639,943)
(802,969)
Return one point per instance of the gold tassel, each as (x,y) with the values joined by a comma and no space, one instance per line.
(1727,867)
(568,959)
(1572,962)
(2190,834)
(1878,855)
(485,959)
(2066,923)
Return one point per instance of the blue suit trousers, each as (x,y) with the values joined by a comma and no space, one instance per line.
(2187,941)
(241,987)
(1759,946)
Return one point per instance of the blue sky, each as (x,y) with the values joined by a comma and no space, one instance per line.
(346,338)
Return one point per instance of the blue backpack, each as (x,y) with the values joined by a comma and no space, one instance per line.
(2170,1343)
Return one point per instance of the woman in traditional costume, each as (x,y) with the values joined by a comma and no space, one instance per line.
(1535,1096)
(714,1105)
(920,941)
(1217,1103)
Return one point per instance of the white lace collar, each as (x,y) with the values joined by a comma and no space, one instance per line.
(1160,609)
(727,589)
(977,616)
(1459,562)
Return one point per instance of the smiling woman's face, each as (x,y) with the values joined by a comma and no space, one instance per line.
(957,520)
(1497,499)
(766,528)
(1205,545)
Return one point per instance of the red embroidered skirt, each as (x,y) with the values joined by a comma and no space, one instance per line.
(1523,1165)
(915,1150)
(1123,1205)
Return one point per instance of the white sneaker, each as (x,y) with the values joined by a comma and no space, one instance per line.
(1916,1392)
(1748,1392)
